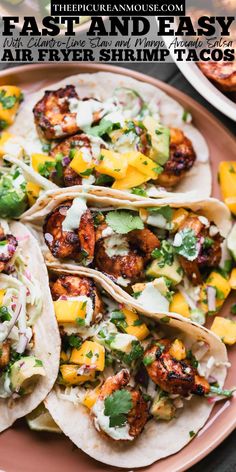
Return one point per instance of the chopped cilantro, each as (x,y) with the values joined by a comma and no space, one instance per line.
(3,124)
(80,321)
(231,170)
(38,363)
(104,179)
(188,246)
(192,434)
(123,221)
(118,318)
(87,172)
(46,147)
(219,294)
(191,358)
(186,116)
(148,360)
(165,254)
(208,242)
(139,191)
(98,218)
(75,341)
(89,354)
(158,169)
(137,322)
(4,314)
(135,353)
(136,294)
(7,102)
(117,406)
(46,168)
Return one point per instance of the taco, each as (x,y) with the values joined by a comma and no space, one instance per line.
(29,338)
(132,388)
(111,130)
(169,255)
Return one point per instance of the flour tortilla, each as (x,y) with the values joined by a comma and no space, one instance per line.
(211,208)
(101,85)
(159,439)
(46,334)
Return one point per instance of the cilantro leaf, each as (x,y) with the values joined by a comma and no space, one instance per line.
(185,244)
(117,406)
(165,254)
(122,221)
(7,102)
(165,211)
(139,191)
(4,314)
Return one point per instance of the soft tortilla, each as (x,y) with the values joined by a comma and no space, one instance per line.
(46,335)
(159,439)
(101,85)
(214,210)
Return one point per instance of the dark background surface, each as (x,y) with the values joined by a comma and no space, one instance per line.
(222,459)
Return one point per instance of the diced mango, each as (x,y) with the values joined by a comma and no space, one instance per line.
(91,398)
(38,159)
(33,191)
(9,104)
(133,178)
(177,350)
(90,353)
(2,293)
(113,164)
(81,166)
(132,319)
(222,287)
(231,204)
(179,305)
(142,163)
(232,279)
(71,377)
(227,175)
(5,136)
(225,329)
(178,218)
(68,311)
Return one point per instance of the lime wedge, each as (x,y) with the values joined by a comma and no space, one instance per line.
(41,420)
(231,241)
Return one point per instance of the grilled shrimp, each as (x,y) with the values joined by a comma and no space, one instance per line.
(222,74)
(181,160)
(76,244)
(10,242)
(124,256)
(4,354)
(74,286)
(52,114)
(138,415)
(171,375)
(208,256)
(78,141)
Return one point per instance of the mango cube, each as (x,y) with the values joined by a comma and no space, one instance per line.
(113,164)
(143,164)
(227,175)
(222,287)
(90,353)
(179,305)
(2,293)
(68,311)
(5,136)
(232,279)
(33,191)
(225,329)
(70,375)
(135,327)
(177,350)
(9,104)
(80,165)
(91,398)
(40,159)
(133,178)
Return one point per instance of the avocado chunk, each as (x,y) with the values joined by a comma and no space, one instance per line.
(25,373)
(160,138)
(163,408)
(173,272)
(13,196)
(123,342)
